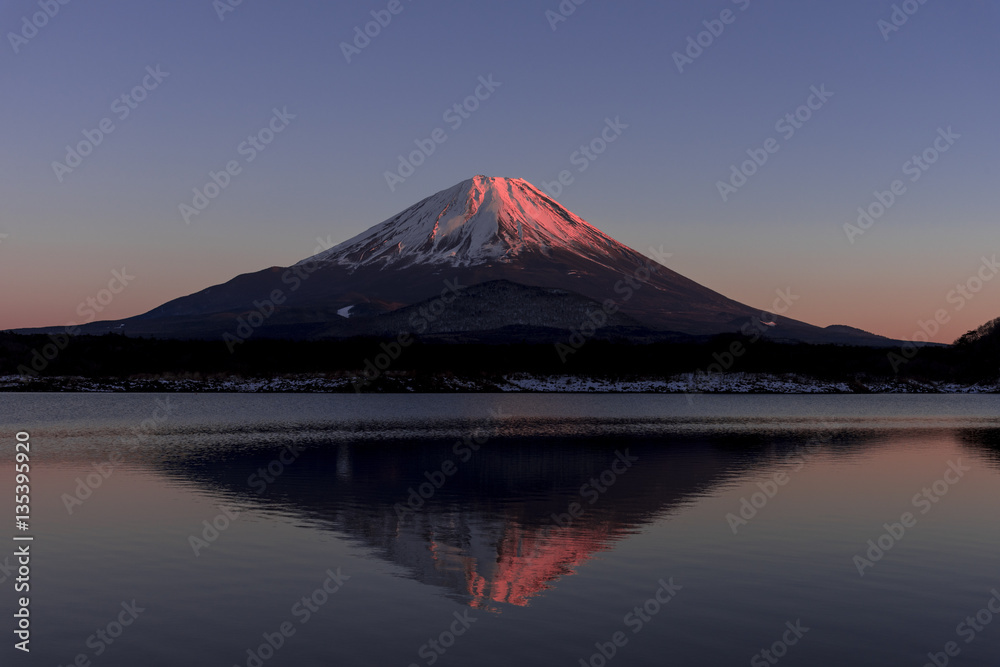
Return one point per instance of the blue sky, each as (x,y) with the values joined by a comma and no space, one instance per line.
(657,185)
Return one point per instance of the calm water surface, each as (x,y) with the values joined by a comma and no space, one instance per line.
(508,530)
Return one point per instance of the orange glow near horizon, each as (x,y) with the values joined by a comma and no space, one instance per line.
(55,291)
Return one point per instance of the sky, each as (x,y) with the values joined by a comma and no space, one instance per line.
(695,88)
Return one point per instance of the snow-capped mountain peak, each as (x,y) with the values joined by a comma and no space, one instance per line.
(478,221)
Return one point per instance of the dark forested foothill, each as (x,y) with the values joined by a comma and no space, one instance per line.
(974,358)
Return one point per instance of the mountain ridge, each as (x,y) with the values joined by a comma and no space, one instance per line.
(474,222)
(478,231)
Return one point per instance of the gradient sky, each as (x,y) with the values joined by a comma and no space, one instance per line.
(323,177)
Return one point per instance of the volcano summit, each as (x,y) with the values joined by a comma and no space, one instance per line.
(521,260)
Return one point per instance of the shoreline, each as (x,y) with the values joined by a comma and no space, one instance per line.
(727,383)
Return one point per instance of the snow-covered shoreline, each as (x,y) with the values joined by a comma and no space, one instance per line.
(725,383)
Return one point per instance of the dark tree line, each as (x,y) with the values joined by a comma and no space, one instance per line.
(975,357)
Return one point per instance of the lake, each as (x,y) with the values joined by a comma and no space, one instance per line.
(488,530)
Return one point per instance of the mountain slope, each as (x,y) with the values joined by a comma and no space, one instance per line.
(478,231)
(479,221)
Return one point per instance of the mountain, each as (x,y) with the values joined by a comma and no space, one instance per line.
(979,352)
(478,540)
(482,230)
(481,221)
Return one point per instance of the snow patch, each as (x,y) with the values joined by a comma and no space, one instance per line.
(478,221)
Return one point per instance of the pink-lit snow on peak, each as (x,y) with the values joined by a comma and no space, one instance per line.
(478,221)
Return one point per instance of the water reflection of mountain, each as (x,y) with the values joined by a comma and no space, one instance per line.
(984,442)
(488,535)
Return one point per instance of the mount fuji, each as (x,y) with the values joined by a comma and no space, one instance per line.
(514,259)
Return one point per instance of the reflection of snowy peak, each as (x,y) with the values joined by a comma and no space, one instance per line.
(491,561)
(479,221)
